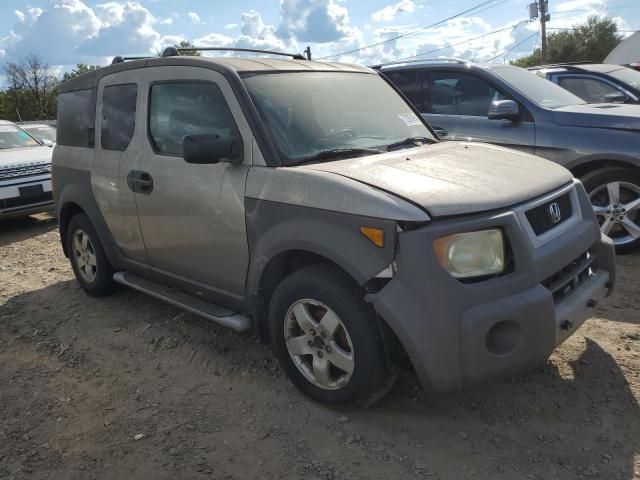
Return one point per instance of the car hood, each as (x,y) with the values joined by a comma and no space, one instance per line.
(454,178)
(16,157)
(600,115)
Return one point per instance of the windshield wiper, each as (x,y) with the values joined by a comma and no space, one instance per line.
(337,153)
(410,142)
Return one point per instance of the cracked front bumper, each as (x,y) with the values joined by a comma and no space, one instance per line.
(459,334)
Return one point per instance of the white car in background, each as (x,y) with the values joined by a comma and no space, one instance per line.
(25,173)
(45,134)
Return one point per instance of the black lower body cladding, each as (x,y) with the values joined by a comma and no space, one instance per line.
(458,334)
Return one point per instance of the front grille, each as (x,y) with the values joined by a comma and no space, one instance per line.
(24,171)
(23,202)
(567,279)
(541,218)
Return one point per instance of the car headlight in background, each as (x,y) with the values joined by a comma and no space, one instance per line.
(472,254)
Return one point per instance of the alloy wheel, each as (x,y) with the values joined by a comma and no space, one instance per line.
(319,344)
(617,207)
(85,256)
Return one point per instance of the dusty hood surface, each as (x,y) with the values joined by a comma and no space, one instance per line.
(16,157)
(454,178)
(602,115)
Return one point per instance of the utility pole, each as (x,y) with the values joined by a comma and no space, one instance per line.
(544,18)
(540,9)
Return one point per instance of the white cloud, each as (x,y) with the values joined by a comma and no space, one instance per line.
(62,28)
(390,12)
(319,21)
(125,29)
(254,33)
(66,32)
(194,17)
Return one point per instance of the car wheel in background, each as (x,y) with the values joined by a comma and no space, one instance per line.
(327,338)
(88,259)
(615,196)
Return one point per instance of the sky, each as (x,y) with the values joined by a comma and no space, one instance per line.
(67,32)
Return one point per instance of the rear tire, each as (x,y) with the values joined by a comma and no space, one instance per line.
(615,195)
(88,259)
(327,338)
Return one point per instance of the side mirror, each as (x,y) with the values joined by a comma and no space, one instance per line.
(209,148)
(46,142)
(504,110)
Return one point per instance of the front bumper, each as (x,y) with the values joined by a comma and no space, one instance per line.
(18,198)
(459,334)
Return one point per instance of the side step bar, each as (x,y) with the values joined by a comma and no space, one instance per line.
(210,311)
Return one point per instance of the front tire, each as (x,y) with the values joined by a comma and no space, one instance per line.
(88,259)
(327,338)
(615,195)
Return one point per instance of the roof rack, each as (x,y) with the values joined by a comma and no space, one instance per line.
(424,60)
(175,52)
(120,59)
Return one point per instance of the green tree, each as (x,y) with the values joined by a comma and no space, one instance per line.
(32,89)
(591,41)
(187,44)
(5,107)
(79,70)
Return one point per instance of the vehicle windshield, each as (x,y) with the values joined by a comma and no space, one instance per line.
(13,137)
(627,75)
(42,132)
(310,114)
(535,88)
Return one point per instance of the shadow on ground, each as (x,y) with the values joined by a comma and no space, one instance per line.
(18,229)
(82,376)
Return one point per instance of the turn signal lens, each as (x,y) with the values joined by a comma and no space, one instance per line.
(376,235)
(473,254)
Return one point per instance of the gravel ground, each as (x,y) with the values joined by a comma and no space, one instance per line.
(129,387)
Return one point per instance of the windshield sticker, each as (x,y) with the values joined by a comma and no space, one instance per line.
(23,135)
(410,119)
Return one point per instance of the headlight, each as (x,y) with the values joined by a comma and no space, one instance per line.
(473,254)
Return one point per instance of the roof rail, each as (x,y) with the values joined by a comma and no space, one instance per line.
(173,51)
(565,64)
(424,60)
(120,59)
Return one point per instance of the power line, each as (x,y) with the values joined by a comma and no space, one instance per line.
(480,5)
(511,49)
(469,40)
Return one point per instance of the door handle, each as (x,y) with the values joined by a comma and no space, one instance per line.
(140,182)
(441,132)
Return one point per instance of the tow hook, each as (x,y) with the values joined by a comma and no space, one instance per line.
(592,303)
(566,325)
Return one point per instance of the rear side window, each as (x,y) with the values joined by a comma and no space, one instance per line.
(76,118)
(180,109)
(590,89)
(118,116)
(459,93)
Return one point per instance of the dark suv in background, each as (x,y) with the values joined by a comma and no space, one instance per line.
(510,106)
(595,82)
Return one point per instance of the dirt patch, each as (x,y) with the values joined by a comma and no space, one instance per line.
(129,387)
